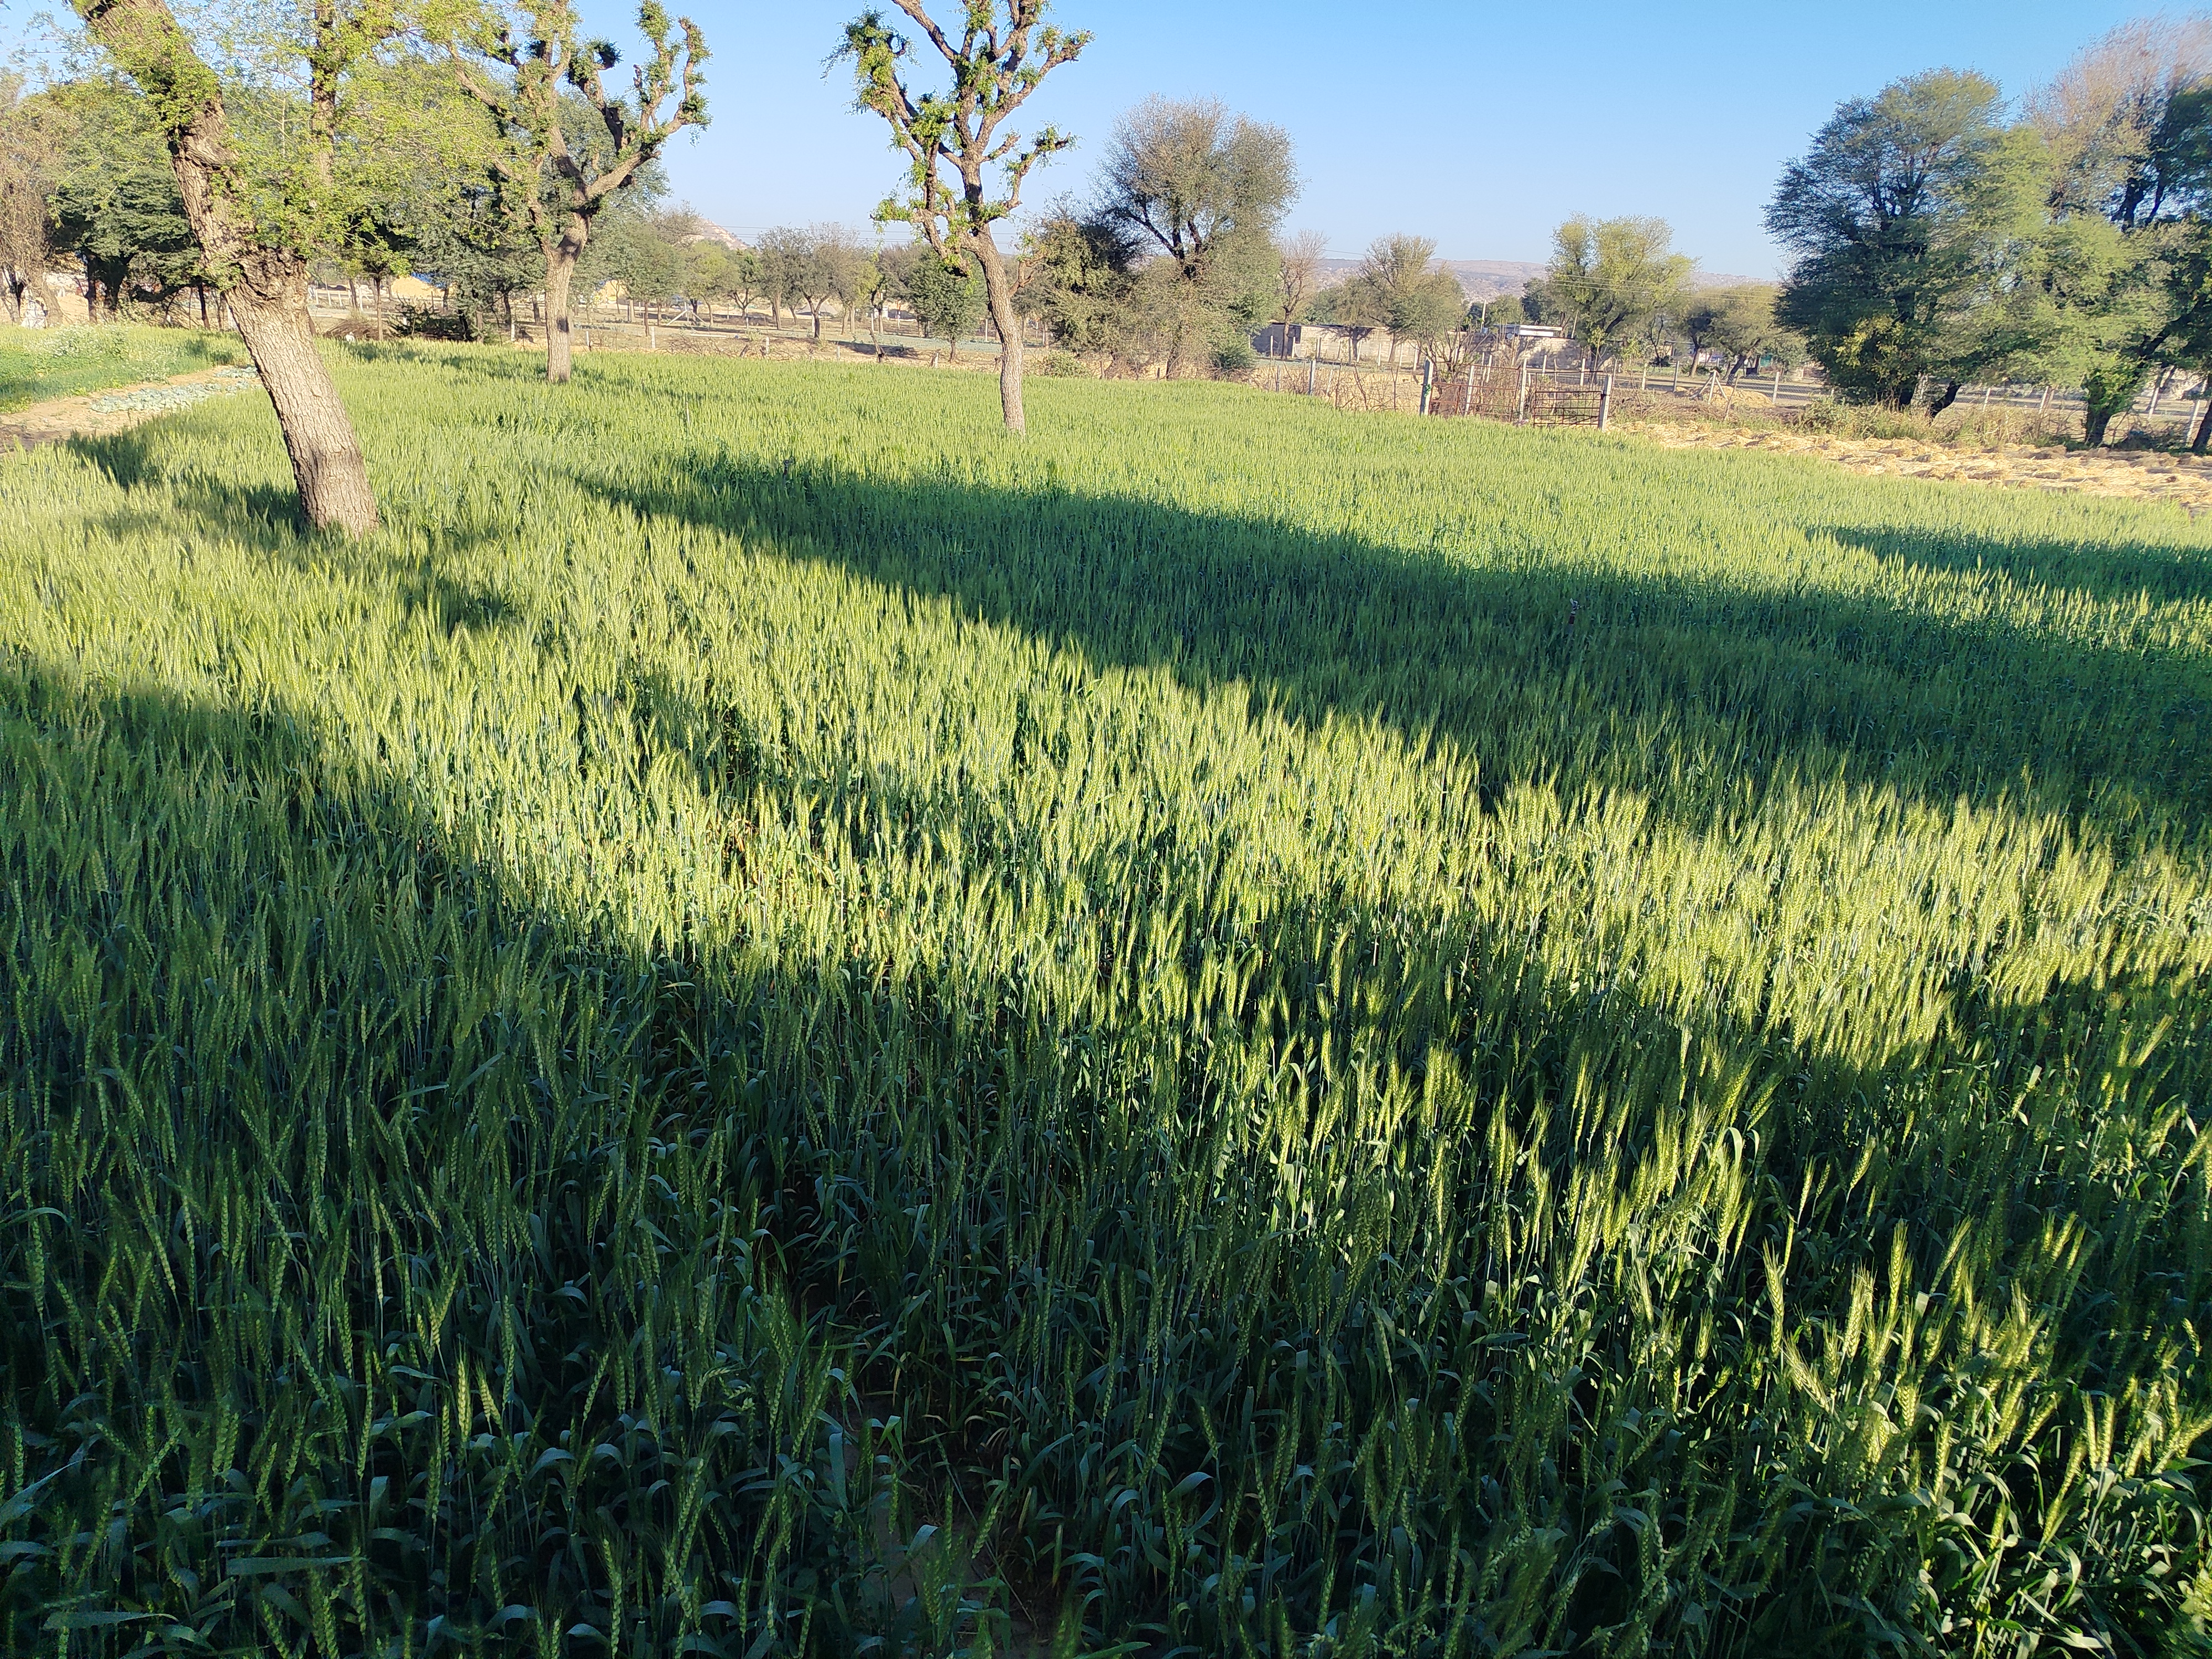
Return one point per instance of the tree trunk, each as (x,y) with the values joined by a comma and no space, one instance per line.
(2094,423)
(561,258)
(2203,440)
(327,458)
(265,287)
(998,288)
(1944,398)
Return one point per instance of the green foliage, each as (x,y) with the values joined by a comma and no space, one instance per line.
(112,196)
(947,297)
(1234,355)
(767,1026)
(1741,324)
(1616,282)
(65,362)
(1904,216)
(1062,366)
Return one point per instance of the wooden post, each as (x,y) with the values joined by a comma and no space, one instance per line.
(1520,417)
(1313,372)
(1466,398)
(1428,381)
(2043,406)
(1778,385)
(1605,404)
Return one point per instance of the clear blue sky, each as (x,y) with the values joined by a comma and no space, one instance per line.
(1478,124)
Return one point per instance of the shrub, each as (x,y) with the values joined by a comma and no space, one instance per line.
(1234,356)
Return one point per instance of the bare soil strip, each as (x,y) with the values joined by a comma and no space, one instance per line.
(2140,475)
(97,414)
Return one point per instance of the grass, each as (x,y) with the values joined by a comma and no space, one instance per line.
(774,1025)
(39,364)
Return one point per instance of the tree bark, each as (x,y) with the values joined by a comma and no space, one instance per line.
(2203,440)
(1944,398)
(998,290)
(560,271)
(265,287)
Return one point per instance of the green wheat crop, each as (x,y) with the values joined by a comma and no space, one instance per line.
(775,1025)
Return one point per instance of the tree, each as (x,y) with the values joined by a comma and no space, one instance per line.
(1078,282)
(569,176)
(1739,322)
(741,280)
(1503,311)
(254,234)
(2126,130)
(862,290)
(27,168)
(1614,281)
(1189,182)
(1299,272)
(829,269)
(1004,52)
(1397,289)
(784,254)
(112,198)
(948,299)
(1903,217)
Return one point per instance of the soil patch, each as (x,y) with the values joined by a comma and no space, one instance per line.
(96,414)
(2140,475)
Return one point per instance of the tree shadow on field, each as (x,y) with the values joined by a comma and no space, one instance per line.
(266,518)
(2102,570)
(1577,677)
(314,1022)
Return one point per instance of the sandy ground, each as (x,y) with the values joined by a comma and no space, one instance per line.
(2142,475)
(96,414)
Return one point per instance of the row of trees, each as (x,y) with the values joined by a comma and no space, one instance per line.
(232,157)
(1940,237)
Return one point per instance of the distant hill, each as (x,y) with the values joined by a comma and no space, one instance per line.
(711,232)
(1485,279)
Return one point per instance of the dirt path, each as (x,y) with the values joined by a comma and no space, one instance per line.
(96,414)
(2140,475)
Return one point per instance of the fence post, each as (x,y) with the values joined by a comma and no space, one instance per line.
(1313,368)
(1520,417)
(1605,404)
(1778,385)
(1467,397)
(2043,405)
(1428,381)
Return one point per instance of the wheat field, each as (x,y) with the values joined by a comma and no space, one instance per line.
(773,1026)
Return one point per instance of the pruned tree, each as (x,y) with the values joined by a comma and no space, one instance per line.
(953,140)
(254,234)
(520,74)
(1187,180)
